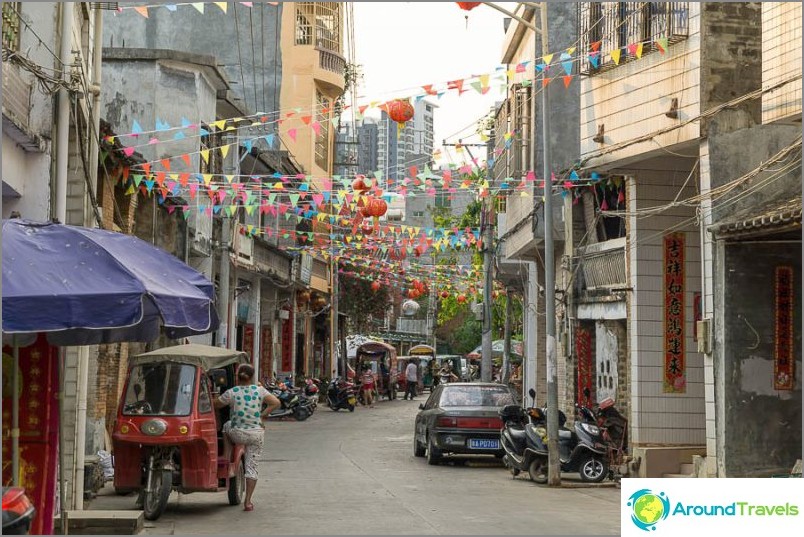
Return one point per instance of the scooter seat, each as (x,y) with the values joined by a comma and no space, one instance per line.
(564,434)
(518,435)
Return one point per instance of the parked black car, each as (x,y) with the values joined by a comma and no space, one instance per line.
(461,418)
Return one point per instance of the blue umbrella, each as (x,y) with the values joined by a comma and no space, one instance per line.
(86,286)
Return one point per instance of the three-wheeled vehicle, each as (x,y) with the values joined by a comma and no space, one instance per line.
(425,354)
(168,435)
(381,357)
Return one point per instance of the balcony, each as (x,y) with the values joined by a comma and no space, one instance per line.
(412,326)
(602,268)
(17,110)
(331,61)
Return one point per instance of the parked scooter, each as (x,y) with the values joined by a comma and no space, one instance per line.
(341,394)
(291,403)
(582,450)
(523,438)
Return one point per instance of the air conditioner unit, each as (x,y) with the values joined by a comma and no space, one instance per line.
(201,244)
(283,315)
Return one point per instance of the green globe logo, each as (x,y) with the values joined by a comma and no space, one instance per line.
(648,508)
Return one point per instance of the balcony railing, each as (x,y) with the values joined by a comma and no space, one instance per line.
(330,61)
(603,266)
(616,25)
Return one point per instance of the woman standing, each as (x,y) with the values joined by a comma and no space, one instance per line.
(368,386)
(245,425)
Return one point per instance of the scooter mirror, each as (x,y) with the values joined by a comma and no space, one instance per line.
(532,394)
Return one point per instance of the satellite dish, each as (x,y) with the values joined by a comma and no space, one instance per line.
(410,307)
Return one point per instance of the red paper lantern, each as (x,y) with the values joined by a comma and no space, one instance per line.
(400,110)
(375,286)
(444,294)
(360,184)
(413,293)
(468,6)
(366,228)
(461,299)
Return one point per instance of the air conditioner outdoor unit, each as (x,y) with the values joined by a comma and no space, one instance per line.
(703,331)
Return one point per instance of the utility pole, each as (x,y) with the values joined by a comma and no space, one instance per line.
(224,295)
(554,463)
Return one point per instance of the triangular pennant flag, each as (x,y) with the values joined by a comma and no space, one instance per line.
(566,62)
(292,134)
(225,150)
(662,44)
(199,6)
(639,50)
(632,49)
(136,129)
(567,80)
(222,5)
(547,59)
(596,46)
(615,55)
(594,59)
(142,10)
(171,7)
(205,155)
(571,51)
(546,81)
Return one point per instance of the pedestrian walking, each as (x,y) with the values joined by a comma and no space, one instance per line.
(411,380)
(245,425)
(368,386)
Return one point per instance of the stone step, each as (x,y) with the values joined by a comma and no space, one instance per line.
(687,468)
(677,475)
(102,522)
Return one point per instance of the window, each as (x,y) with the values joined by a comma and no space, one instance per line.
(323,18)
(322,149)
(160,389)
(418,214)
(204,401)
(456,396)
(443,199)
(500,204)
(11,25)
(609,26)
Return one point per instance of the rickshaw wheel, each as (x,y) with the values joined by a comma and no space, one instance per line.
(156,501)
(237,485)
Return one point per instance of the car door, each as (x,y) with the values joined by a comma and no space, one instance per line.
(426,415)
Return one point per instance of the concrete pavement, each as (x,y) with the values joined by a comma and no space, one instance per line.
(354,473)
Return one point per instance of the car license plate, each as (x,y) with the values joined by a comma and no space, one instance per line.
(352,400)
(476,443)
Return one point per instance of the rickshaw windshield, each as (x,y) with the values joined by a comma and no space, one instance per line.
(160,389)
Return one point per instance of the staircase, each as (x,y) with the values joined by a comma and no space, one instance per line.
(686,469)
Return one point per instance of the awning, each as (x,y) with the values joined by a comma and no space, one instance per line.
(776,217)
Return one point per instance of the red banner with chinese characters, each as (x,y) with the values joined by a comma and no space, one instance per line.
(266,356)
(39,427)
(783,357)
(675,377)
(287,343)
(583,349)
(248,341)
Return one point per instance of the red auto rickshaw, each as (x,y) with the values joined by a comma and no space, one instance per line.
(381,357)
(168,435)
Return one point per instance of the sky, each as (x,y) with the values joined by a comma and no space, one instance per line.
(404,45)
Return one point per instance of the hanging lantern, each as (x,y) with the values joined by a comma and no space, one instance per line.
(410,307)
(419,250)
(414,293)
(461,299)
(360,185)
(398,253)
(468,6)
(444,294)
(375,286)
(366,228)
(400,110)
(374,208)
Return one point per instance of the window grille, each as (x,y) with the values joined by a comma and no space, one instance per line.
(11,25)
(322,149)
(321,18)
(609,26)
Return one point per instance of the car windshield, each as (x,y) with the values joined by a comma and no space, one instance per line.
(160,389)
(470,395)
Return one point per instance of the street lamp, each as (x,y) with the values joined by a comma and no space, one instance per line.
(554,464)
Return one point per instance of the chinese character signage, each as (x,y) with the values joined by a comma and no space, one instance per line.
(39,427)
(583,349)
(783,357)
(675,376)
(287,343)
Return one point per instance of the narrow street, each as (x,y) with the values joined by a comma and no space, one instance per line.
(342,473)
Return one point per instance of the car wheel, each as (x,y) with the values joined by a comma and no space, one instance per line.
(418,449)
(434,455)
(593,469)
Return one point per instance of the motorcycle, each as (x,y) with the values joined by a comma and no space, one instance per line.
(523,438)
(341,394)
(18,511)
(291,403)
(582,450)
